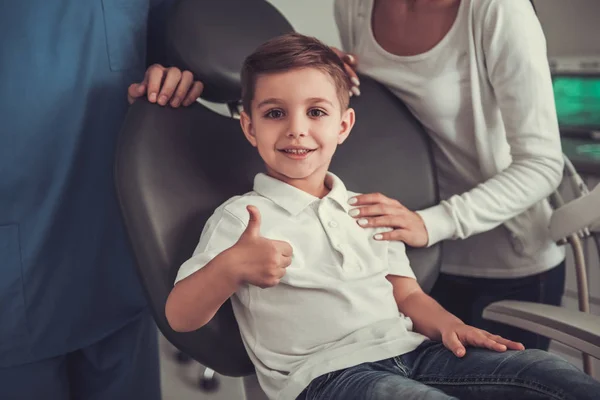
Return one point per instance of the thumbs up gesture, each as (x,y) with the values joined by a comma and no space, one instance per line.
(262,261)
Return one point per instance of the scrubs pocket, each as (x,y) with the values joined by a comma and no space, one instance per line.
(125,23)
(13,327)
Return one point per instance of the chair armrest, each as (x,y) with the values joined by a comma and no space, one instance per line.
(576,215)
(572,328)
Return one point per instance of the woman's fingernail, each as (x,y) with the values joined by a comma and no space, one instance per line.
(363,221)
(355,81)
(175,102)
(378,237)
(350,58)
(352,200)
(163,100)
(355,90)
(152,97)
(354,212)
(350,93)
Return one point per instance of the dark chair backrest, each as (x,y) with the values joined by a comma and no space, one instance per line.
(175,166)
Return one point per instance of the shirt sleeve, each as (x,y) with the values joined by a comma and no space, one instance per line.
(398,262)
(343,11)
(518,71)
(221,231)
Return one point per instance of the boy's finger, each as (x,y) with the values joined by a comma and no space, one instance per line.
(508,343)
(284,247)
(253,228)
(453,344)
(286,262)
(512,345)
(496,346)
(483,341)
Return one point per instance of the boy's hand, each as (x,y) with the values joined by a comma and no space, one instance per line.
(262,262)
(377,210)
(163,84)
(456,337)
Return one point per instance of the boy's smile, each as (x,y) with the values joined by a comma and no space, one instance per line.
(296,152)
(296,123)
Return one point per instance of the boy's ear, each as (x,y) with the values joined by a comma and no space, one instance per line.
(346,125)
(248,127)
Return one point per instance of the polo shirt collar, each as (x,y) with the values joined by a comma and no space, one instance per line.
(294,200)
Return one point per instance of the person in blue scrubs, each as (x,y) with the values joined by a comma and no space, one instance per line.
(74,323)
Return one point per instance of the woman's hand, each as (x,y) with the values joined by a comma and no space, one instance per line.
(457,336)
(165,85)
(350,64)
(375,210)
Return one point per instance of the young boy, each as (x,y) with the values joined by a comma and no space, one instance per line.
(325,310)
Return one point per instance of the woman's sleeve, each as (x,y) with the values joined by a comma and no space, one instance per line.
(517,67)
(343,11)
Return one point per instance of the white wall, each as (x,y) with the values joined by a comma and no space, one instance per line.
(311,17)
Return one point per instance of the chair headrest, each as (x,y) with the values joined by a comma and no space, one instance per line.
(212,38)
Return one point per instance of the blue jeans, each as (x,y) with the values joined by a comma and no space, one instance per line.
(433,372)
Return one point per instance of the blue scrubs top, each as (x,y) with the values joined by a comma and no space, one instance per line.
(66,270)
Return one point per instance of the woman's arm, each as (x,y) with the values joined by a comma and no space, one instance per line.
(518,80)
(342,12)
(517,69)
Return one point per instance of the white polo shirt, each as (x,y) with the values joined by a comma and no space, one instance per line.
(334,308)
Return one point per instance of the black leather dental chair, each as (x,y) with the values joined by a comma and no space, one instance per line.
(175,166)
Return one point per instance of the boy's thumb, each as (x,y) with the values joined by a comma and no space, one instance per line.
(253,227)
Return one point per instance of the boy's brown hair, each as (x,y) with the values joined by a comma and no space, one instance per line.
(293,51)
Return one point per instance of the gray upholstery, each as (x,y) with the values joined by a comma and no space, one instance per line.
(175,166)
(211,37)
(574,328)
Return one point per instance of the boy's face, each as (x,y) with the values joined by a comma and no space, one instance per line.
(296,124)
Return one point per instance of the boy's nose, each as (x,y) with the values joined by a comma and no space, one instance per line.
(294,134)
(297,127)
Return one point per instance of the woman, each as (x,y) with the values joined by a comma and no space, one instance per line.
(475,73)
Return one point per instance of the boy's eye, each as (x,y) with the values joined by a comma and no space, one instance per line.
(275,114)
(315,112)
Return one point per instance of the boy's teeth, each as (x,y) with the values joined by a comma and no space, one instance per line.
(296,151)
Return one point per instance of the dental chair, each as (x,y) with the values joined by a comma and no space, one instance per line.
(175,166)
